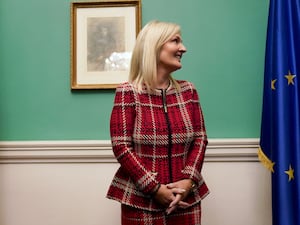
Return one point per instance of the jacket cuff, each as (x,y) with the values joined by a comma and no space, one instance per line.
(148,185)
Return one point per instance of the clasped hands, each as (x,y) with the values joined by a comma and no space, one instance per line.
(172,195)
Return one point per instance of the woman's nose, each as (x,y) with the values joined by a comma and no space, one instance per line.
(182,48)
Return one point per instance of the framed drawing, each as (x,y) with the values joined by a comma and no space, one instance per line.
(103,34)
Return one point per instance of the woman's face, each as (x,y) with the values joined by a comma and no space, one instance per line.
(171,53)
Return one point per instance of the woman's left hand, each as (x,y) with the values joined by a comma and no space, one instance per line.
(185,184)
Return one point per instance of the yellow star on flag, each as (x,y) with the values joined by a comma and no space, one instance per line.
(265,160)
(273,84)
(290,172)
(290,77)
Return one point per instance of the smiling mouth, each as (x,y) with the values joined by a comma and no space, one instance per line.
(178,56)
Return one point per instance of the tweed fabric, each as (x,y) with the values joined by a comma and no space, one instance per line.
(154,146)
(133,216)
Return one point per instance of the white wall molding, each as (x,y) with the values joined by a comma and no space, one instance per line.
(41,179)
(95,151)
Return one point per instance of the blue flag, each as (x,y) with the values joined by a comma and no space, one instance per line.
(280,127)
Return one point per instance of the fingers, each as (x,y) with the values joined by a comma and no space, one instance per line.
(175,188)
(183,204)
(171,196)
(178,190)
(180,204)
(171,209)
(171,185)
(176,203)
(175,200)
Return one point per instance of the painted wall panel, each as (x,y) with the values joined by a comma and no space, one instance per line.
(225,41)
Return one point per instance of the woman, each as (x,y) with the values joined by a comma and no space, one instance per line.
(158,135)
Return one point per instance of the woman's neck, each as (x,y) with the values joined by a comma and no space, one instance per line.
(163,81)
(163,84)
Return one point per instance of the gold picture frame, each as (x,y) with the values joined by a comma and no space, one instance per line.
(103,34)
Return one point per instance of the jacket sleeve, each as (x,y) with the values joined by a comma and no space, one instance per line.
(121,130)
(197,149)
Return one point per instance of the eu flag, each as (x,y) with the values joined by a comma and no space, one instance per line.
(280,127)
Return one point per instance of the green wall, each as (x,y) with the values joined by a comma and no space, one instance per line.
(225,60)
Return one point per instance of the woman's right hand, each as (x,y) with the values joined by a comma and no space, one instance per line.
(165,196)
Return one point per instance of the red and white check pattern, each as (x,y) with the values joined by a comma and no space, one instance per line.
(139,135)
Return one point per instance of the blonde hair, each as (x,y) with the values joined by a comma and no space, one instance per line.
(145,55)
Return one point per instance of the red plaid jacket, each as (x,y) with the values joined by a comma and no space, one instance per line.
(156,143)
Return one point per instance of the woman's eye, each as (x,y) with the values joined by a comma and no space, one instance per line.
(176,40)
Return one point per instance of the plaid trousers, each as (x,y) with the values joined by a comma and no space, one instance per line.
(135,216)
